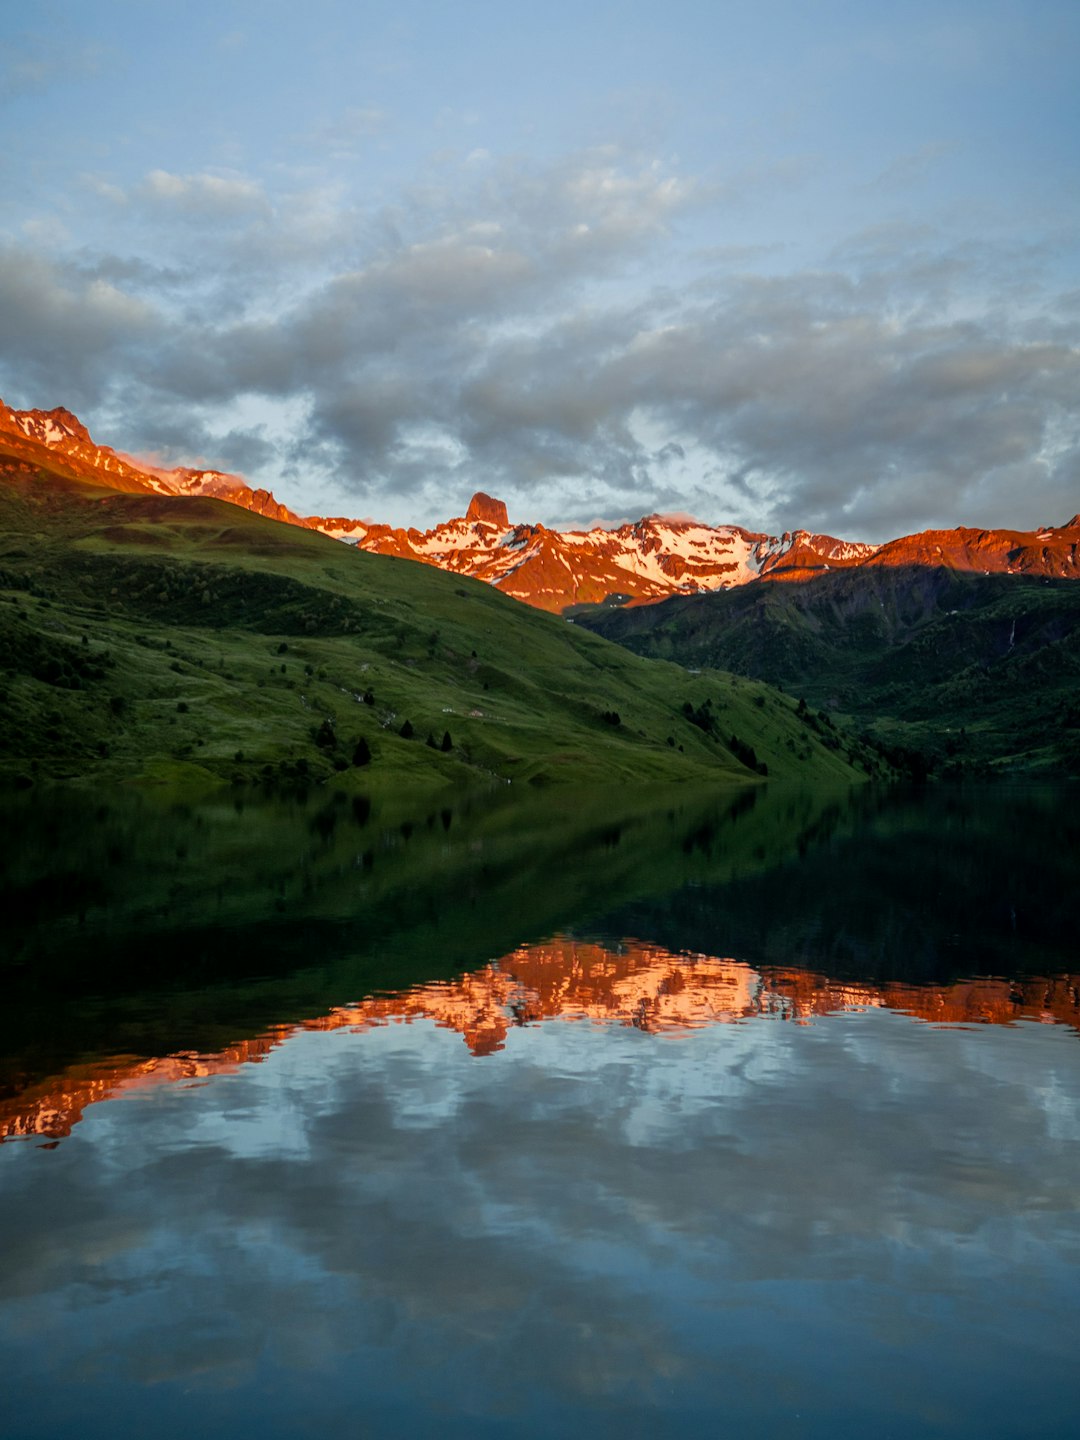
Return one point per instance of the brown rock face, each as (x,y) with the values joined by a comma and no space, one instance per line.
(487,511)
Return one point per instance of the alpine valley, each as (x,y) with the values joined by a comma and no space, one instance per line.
(151,631)
(946,651)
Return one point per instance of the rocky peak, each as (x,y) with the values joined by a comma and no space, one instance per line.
(49,427)
(71,423)
(487,511)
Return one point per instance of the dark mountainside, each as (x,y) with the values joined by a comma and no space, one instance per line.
(974,673)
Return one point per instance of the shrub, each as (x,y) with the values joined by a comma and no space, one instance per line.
(702,717)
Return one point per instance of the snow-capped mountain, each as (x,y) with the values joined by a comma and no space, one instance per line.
(68,440)
(656,557)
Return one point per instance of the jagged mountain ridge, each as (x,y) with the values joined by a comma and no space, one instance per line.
(656,557)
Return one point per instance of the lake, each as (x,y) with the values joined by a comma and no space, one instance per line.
(637,1114)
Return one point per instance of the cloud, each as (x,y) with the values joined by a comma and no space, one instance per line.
(202,196)
(499,326)
(68,334)
(349,133)
(907,170)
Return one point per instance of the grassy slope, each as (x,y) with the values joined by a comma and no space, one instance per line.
(188,640)
(976,672)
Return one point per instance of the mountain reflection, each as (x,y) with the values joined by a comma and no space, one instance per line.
(634,984)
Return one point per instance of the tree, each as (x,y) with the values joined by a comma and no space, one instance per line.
(447,743)
(362,752)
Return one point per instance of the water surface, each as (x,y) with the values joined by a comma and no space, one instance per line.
(640,1116)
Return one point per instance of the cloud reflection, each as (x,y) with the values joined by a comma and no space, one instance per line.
(591,1218)
(635,984)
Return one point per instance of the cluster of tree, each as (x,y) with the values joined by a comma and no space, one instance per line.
(56,663)
(702,716)
(747,755)
(326,738)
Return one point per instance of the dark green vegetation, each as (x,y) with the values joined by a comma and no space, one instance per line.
(939,883)
(954,672)
(189,642)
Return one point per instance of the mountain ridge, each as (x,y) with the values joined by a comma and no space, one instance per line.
(634,564)
(183,639)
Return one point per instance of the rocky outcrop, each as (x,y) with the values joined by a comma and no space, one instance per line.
(486,511)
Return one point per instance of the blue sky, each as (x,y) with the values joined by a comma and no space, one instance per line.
(774,264)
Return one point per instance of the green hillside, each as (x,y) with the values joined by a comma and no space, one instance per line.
(969,672)
(188,641)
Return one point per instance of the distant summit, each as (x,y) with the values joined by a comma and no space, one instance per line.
(487,511)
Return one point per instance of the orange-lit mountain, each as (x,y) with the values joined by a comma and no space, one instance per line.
(655,557)
(60,442)
(637,985)
(652,559)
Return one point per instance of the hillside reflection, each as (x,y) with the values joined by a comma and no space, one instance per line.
(634,984)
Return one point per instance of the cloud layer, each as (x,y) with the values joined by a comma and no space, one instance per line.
(549,332)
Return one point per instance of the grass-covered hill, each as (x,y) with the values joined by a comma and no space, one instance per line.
(188,641)
(972,672)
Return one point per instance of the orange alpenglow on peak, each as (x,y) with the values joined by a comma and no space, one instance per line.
(487,511)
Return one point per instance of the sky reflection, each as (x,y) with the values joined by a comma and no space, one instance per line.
(634,984)
(857,1226)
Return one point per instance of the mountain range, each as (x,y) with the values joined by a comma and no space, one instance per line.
(652,559)
(189,641)
(950,651)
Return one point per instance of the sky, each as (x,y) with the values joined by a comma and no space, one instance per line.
(783,265)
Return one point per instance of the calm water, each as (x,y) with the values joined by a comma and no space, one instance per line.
(635,1115)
